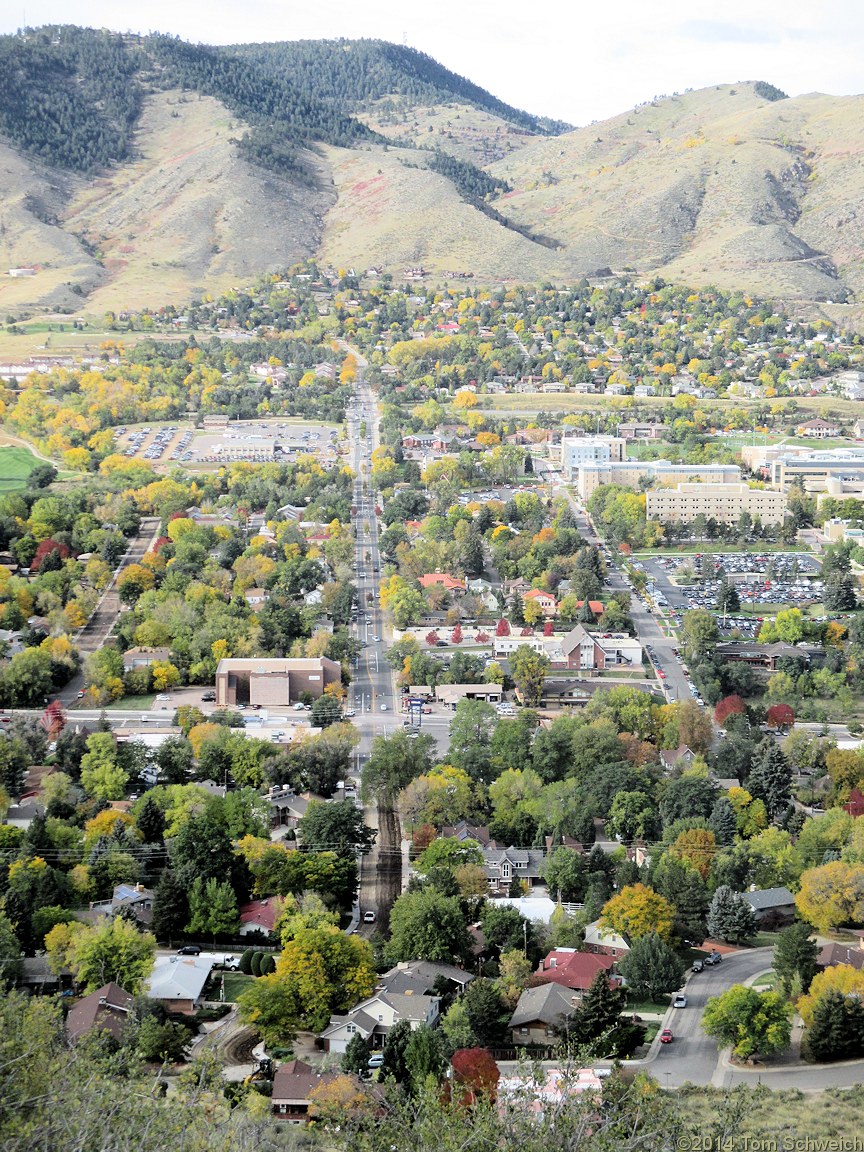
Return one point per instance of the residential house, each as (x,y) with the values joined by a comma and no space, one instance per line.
(682,756)
(605,942)
(774,907)
(286,808)
(22,814)
(423,978)
(465,831)
(442,580)
(373,1018)
(504,865)
(293,1086)
(540,1014)
(576,970)
(134,897)
(834,953)
(260,915)
(178,982)
(545,601)
(107,1009)
(256,598)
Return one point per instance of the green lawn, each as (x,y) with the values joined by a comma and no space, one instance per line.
(235,983)
(765,981)
(647,1007)
(16,464)
(137,704)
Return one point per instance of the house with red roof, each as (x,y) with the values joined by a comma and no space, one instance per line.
(574,969)
(260,915)
(545,601)
(442,580)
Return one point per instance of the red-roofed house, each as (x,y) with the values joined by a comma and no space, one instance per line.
(596,606)
(544,600)
(260,915)
(106,1009)
(442,580)
(293,1085)
(575,970)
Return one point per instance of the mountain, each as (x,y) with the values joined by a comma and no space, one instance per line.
(142,170)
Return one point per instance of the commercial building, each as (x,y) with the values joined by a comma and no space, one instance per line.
(579,450)
(813,470)
(275,682)
(721,502)
(633,473)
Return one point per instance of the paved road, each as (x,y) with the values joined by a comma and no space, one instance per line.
(98,628)
(648,630)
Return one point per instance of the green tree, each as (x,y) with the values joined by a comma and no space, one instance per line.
(10,953)
(101,773)
(157,1040)
(836,1031)
(424,1058)
(395,1064)
(112,950)
(212,909)
(528,669)
(170,906)
(751,1022)
(271,1006)
(426,925)
(393,763)
(150,821)
(471,731)
(336,826)
(770,778)
(795,957)
(326,710)
(598,1015)
(652,968)
(356,1055)
(487,1013)
(730,917)
(700,633)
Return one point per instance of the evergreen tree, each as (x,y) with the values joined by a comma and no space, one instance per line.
(722,821)
(170,907)
(652,968)
(837,1030)
(730,917)
(395,1050)
(728,599)
(151,821)
(771,778)
(599,1012)
(795,957)
(356,1055)
(488,1015)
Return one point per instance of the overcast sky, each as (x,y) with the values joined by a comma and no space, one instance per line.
(576,60)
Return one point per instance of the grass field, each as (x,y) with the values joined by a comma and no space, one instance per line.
(235,983)
(16,464)
(783,1119)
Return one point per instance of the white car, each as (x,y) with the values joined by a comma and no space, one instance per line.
(680,1000)
(383,707)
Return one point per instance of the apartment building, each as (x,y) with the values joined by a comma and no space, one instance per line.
(633,473)
(721,502)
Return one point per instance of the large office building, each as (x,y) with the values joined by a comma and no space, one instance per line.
(813,470)
(634,473)
(579,450)
(273,683)
(721,502)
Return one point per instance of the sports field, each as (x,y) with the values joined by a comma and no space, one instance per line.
(16,464)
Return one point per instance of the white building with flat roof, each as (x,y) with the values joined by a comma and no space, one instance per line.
(634,473)
(721,502)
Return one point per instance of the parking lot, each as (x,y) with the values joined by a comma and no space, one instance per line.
(759,578)
(257,441)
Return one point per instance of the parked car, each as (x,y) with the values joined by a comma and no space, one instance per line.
(189,950)
(679,1001)
(698,965)
(369,917)
(208,697)
(666,1036)
(375,1060)
(714,958)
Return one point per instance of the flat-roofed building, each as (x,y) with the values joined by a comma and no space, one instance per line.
(814,470)
(721,502)
(273,682)
(632,473)
(579,450)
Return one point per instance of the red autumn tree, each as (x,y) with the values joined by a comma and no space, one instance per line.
(547,628)
(780,716)
(729,706)
(475,1070)
(53,719)
(45,549)
(456,634)
(503,628)
(482,637)
(432,638)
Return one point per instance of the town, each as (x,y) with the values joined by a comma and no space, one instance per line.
(447,698)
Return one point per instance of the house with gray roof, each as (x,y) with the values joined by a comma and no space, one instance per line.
(178,981)
(373,1019)
(504,865)
(425,978)
(540,1013)
(773,906)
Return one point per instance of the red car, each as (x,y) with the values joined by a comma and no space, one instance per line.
(666,1036)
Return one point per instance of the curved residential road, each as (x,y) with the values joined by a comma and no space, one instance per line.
(693,1057)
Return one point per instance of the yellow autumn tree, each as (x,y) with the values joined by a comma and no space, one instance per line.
(637,910)
(838,978)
